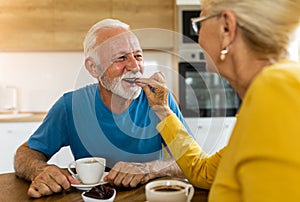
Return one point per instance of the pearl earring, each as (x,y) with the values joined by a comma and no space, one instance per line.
(223,53)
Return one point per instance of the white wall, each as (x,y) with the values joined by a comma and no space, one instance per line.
(41,78)
(294,48)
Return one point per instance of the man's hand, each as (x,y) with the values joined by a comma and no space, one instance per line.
(125,174)
(45,179)
(51,180)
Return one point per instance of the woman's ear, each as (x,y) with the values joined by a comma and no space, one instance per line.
(228,29)
(91,66)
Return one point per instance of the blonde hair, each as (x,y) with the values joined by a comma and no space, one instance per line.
(266,25)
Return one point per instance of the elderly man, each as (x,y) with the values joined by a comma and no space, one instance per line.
(111,119)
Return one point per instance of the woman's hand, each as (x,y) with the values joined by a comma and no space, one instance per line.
(157,94)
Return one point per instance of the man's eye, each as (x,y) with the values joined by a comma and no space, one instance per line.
(120,59)
(138,57)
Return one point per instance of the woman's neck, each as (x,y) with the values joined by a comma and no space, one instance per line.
(245,71)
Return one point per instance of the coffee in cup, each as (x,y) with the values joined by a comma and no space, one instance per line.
(169,190)
(88,170)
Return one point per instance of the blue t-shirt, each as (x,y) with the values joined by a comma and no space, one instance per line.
(81,120)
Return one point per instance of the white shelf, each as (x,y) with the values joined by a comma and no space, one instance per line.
(187,2)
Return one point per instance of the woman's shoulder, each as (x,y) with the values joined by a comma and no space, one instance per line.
(277,77)
(279,83)
(283,70)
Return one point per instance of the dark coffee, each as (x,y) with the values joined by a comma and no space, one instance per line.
(167,188)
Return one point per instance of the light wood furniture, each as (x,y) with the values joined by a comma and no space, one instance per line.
(60,25)
(15,189)
(32,117)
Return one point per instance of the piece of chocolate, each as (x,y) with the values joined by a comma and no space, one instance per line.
(100,192)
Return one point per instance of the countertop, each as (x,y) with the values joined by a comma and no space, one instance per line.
(23,117)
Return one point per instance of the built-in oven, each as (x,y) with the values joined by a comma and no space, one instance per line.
(201,93)
(204,94)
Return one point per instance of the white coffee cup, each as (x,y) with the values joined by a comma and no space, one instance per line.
(89,170)
(169,190)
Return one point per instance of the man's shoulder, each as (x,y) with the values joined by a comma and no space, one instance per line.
(88,89)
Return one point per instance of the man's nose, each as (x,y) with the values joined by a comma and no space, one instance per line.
(133,64)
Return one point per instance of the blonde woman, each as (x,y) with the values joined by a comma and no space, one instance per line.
(248,42)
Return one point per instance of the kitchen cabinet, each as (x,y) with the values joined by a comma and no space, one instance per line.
(62,158)
(152,21)
(212,134)
(13,134)
(60,25)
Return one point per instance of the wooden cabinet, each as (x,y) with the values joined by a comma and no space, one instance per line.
(60,25)
(144,13)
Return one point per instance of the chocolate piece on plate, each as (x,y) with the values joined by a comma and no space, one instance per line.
(103,191)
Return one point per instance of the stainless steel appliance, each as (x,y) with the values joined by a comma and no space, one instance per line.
(201,94)
(188,37)
(204,94)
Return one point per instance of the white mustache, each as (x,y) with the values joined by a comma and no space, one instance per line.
(131,75)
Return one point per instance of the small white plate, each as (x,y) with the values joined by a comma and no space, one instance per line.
(87,187)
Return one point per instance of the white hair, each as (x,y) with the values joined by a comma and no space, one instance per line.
(91,36)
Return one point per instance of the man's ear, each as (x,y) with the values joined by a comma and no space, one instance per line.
(228,28)
(91,66)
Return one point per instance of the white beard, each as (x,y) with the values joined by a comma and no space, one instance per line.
(115,86)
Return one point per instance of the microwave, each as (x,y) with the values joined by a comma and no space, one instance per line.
(187,38)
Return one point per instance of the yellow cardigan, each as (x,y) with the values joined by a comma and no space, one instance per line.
(262,159)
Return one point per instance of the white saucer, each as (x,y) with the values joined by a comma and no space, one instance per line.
(87,187)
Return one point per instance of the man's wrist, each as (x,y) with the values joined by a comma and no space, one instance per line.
(37,168)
